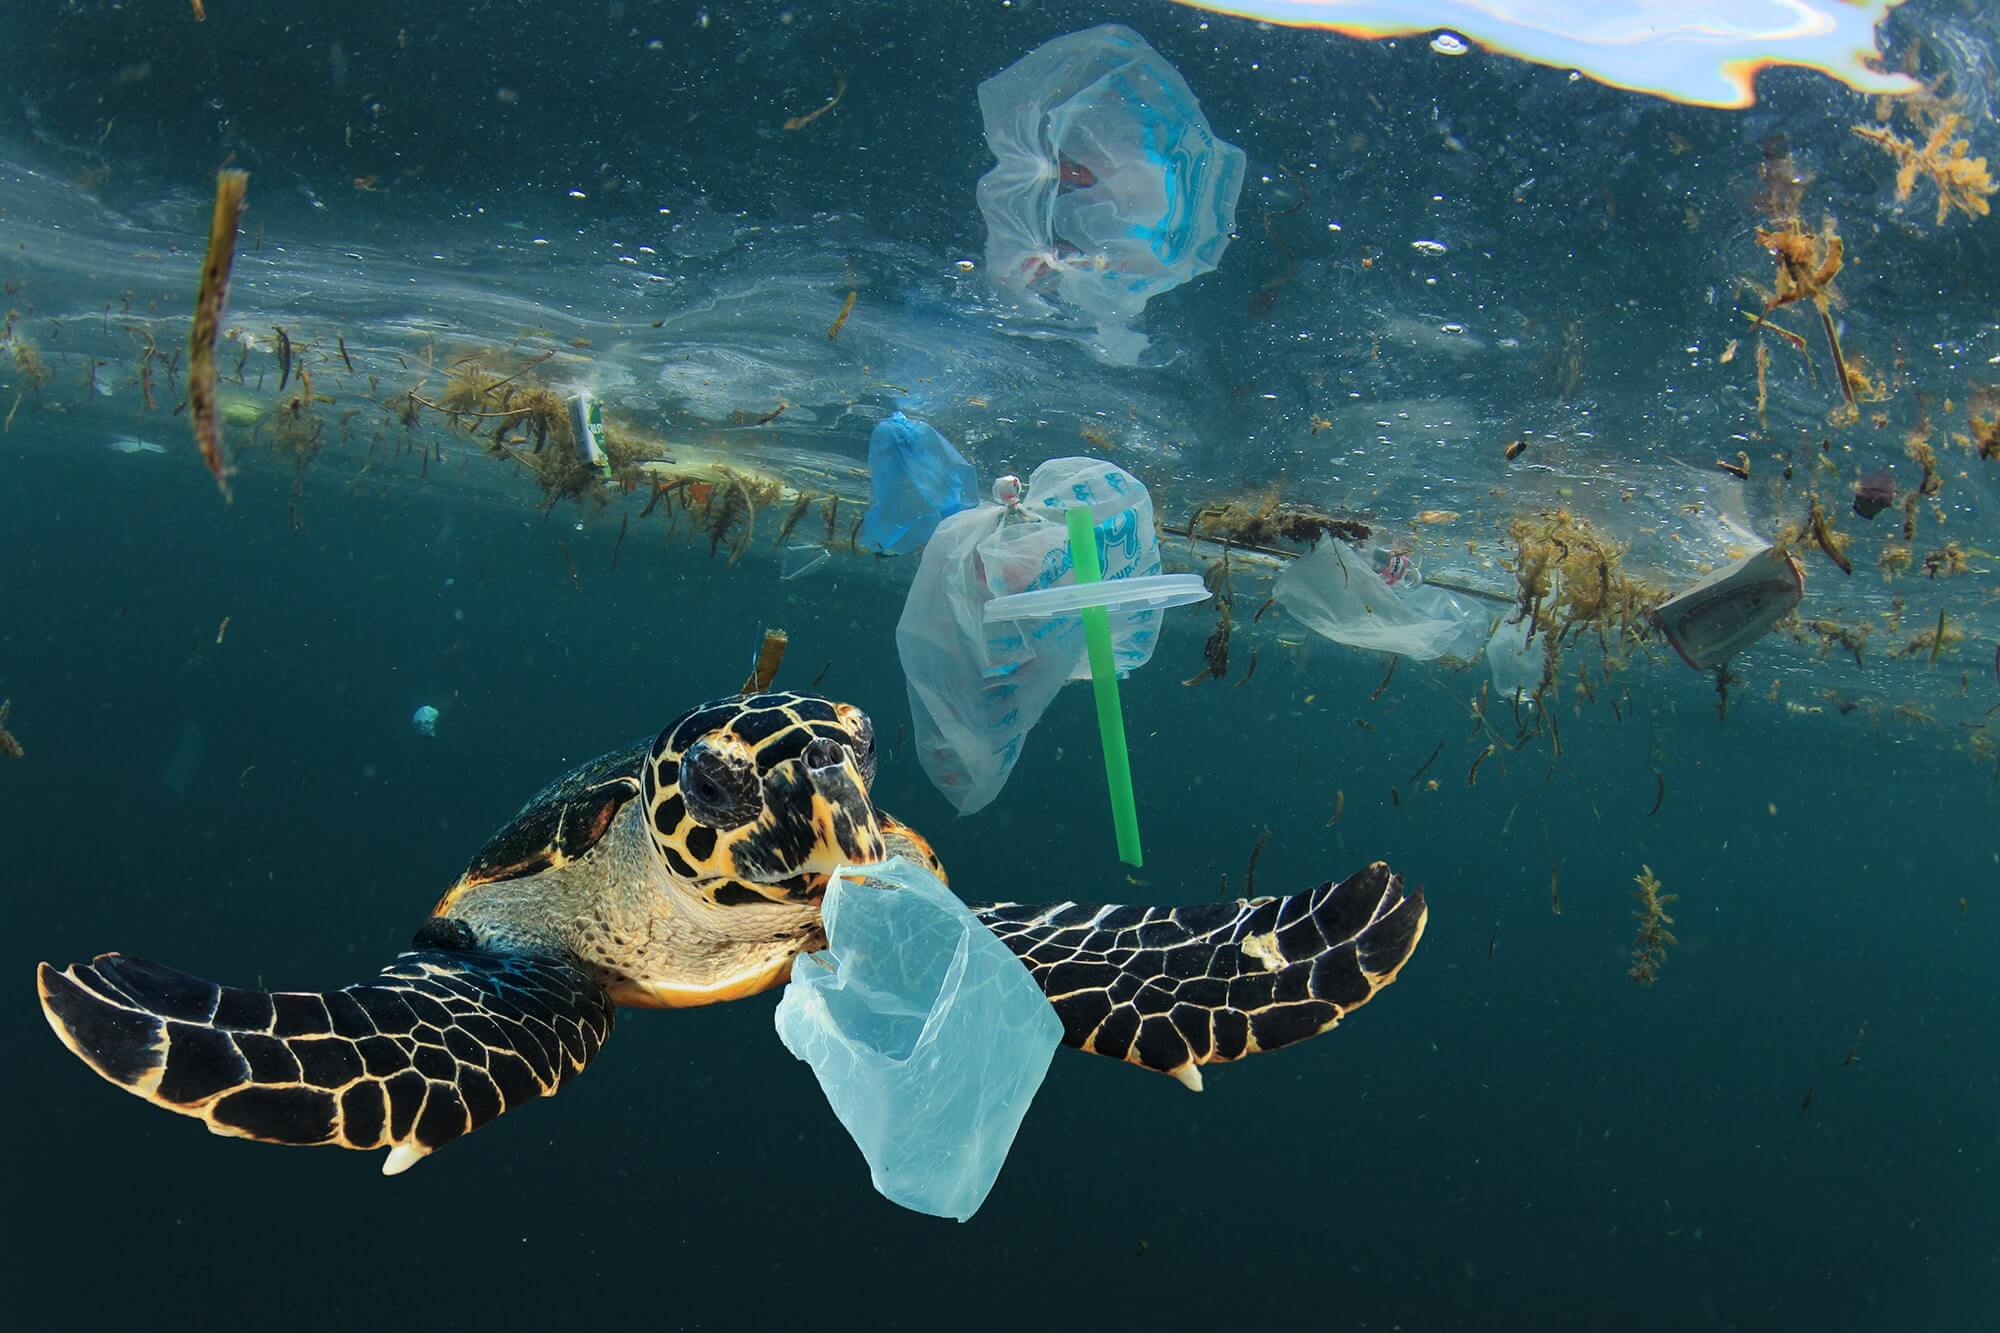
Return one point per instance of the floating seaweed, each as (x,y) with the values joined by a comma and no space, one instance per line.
(1830,541)
(9,747)
(1963,181)
(1215,652)
(28,360)
(1649,948)
(1265,521)
(1570,576)
(1834,634)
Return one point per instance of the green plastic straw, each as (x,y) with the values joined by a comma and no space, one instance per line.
(1104,683)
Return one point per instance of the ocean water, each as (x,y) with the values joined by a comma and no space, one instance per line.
(1793,1126)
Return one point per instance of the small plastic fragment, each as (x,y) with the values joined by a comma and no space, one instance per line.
(928,1036)
(801,559)
(918,479)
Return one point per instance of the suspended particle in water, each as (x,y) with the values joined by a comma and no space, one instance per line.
(1428,247)
(1449,44)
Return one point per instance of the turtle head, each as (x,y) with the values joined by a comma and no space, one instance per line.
(760,798)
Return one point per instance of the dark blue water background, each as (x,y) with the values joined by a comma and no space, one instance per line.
(1514,1135)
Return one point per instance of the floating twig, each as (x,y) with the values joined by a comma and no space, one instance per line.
(230,187)
(624,522)
(770,653)
(839,91)
(1472,774)
(1250,873)
(1387,676)
(1411,781)
(840,320)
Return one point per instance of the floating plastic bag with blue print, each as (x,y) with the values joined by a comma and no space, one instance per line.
(976,690)
(1110,186)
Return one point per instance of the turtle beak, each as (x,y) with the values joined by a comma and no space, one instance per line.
(843,816)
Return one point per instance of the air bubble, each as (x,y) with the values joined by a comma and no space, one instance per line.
(1449,44)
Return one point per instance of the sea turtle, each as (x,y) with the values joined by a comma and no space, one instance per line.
(684,871)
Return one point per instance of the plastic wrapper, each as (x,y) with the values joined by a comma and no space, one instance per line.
(976,689)
(1335,592)
(926,1033)
(1110,186)
(918,479)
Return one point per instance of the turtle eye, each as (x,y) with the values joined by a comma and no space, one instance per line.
(863,746)
(717,792)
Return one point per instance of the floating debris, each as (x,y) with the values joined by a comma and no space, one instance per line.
(1875,492)
(839,91)
(9,747)
(1215,652)
(230,187)
(840,320)
(770,653)
(1833,543)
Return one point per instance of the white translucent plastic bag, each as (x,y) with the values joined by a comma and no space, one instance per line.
(928,1036)
(977,689)
(1334,592)
(1110,186)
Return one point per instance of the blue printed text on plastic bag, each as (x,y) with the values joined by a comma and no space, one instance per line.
(927,1035)
(1110,187)
(918,480)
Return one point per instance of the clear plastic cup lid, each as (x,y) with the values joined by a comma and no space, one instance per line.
(1154,592)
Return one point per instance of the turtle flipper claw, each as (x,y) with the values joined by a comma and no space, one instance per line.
(434,1047)
(1174,988)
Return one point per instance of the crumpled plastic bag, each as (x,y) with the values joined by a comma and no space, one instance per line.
(926,1033)
(1333,591)
(1110,187)
(918,479)
(977,689)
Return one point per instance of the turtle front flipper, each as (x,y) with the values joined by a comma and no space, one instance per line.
(438,1044)
(1174,988)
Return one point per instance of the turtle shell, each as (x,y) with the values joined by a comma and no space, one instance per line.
(563,821)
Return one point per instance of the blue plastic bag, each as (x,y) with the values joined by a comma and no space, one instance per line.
(1110,186)
(919,480)
(928,1036)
